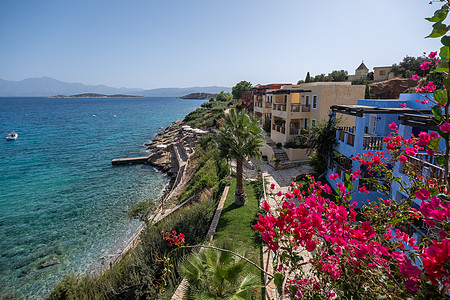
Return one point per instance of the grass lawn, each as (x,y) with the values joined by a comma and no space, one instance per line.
(235,227)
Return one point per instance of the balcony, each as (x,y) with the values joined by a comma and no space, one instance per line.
(425,165)
(279,128)
(300,108)
(373,143)
(369,142)
(349,132)
(279,106)
(258,104)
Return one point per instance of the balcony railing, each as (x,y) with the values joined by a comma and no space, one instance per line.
(268,104)
(258,104)
(426,166)
(351,139)
(279,106)
(373,143)
(350,135)
(279,128)
(346,128)
(300,107)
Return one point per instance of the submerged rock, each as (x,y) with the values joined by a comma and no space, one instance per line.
(54,260)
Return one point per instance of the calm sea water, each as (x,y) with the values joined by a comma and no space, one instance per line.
(61,201)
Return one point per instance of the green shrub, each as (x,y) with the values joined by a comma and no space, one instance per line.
(257,186)
(318,163)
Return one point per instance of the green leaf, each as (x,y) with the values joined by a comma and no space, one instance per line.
(442,65)
(347,176)
(437,112)
(439,15)
(446,82)
(278,279)
(444,53)
(445,135)
(440,96)
(434,144)
(440,160)
(433,191)
(445,40)
(439,29)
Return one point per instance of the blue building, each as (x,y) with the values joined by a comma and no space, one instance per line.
(372,118)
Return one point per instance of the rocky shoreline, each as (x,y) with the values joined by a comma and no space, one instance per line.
(169,153)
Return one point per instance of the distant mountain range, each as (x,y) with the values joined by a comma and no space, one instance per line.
(46,86)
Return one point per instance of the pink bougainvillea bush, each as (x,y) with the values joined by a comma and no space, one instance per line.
(325,248)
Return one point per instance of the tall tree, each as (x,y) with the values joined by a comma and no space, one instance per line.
(239,138)
(308,78)
(237,90)
(224,97)
(340,75)
(411,64)
(367,92)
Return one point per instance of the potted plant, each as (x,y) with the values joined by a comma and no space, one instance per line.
(276,161)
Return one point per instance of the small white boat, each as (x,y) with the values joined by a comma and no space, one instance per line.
(12,136)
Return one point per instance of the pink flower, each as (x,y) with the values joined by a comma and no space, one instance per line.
(432,55)
(424,139)
(425,101)
(363,189)
(422,194)
(434,135)
(411,151)
(424,66)
(272,186)
(445,127)
(310,246)
(279,194)
(334,176)
(412,286)
(402,158)
(393,126)
(266,206)
(415,77)
(430,152)
(403,105)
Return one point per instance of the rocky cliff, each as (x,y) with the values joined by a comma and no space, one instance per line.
(391,89)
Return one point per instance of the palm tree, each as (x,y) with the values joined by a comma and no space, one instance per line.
(214,274)
(240,138)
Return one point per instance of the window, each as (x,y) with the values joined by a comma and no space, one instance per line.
(382,72)
(306,124)
(313,122)
(285,98)
(307,100)
(314,102)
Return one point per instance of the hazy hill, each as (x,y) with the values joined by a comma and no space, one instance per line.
(46,86)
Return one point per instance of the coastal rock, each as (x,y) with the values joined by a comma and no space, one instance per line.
(161,160)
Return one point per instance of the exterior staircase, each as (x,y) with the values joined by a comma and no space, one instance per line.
(278,153)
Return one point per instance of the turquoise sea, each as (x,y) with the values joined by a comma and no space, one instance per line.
(61,202)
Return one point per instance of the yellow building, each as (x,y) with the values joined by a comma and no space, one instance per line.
(295,109)
(382,73)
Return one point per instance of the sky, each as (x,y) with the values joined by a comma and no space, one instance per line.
(183,43)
